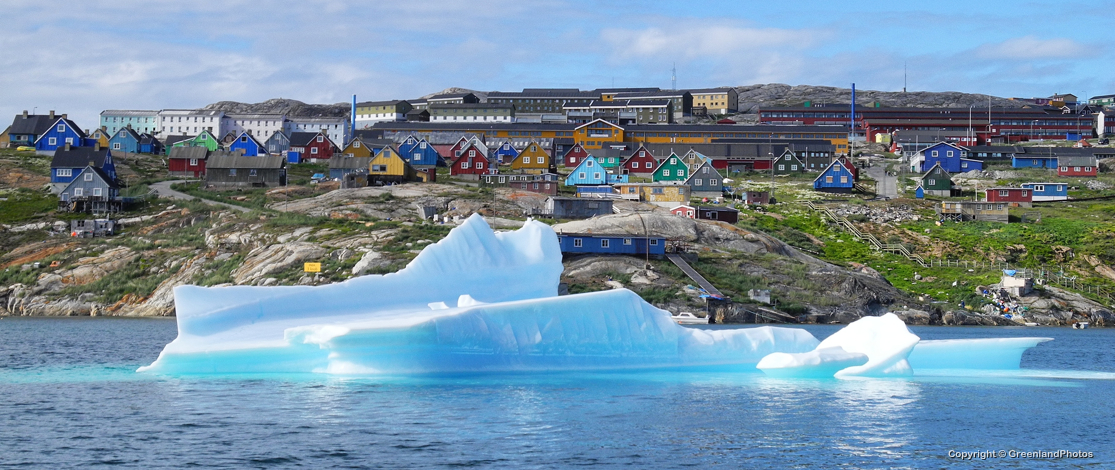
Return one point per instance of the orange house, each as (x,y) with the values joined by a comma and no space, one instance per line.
(595,134)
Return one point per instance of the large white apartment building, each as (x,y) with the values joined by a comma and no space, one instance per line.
(260,126)
(191,122)
(337,128)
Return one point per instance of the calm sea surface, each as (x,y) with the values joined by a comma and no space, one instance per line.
(69,397)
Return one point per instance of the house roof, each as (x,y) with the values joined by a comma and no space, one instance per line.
(175,138)
(449,96)
(245,133)
(826,170)
(149,139)
(349,163)
(1076,161)
(100,174)
(228,160)
(302,139)
(72,125)
(129,112)
(188,153)
(131,132)
(471,106)
(711,90)
(380,103)
(77,157)
(936,165)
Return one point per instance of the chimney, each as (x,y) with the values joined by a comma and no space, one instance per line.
(67,147)
(52,114)
(105,128)
(64,116)
(25,113)
(96,146)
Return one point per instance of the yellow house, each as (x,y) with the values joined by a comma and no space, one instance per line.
(357,148)
(657,193)
(389,167)
(715,100)
(101,137)
(5,138)
(533,159)
(593,135)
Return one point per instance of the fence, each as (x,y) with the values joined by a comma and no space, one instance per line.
(867,237)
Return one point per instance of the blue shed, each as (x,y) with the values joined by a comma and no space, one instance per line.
(505,153)
(420,153)
(919,192)
(1033,161)
(835,179)
(1048,191)
(620,244)
(248,144)
(952,158)
(63,132)
(68,162)
(125,140)
(149,144)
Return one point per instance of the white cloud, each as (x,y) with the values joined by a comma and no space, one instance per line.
(1032,47)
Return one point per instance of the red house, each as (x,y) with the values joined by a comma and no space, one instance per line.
(472,163)
(312,145)
(642,163)
(187,161)
(538,186)
(575,155)
(1014,197)
(1077,166)
(685,211)
(847,162)
(458,148)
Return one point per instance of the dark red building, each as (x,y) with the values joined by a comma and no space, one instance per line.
(312,145)
(1015,197)
(470,164)
(1077,166)
(543,187)
(574,156)
(642,163)
(187,161)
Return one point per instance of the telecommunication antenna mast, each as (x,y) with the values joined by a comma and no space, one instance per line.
(674,76)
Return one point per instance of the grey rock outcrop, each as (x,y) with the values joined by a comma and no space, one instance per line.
(273,258)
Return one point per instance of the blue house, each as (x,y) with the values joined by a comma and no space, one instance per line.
(589,172)
(68,162)
(505,153)
(620,244)
(835,179)
(1034,161)
(248,144)
(278,143)
(1048,191)
(952,158)
(419,153)
(125,140)
(150,144)
(63,132)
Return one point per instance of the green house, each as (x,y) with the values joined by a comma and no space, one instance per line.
(672,168)
(937,182)
(204,139)
(788,163)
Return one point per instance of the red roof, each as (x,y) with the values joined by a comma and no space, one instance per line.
(725,121)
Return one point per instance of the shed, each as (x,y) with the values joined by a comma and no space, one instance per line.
(1077,166)
(1048,191)
(576,208)
(612,244)
(1013,197)
(225,170)
(187,161)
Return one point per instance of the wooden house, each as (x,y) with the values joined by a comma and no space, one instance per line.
(693,159)
(204,139)
(26,128)
(278,143)
(640,163)
(187,161)
(68,161)
(973,210)
(576,208)
(505,153)
(574,156)
(705,181)
(471,164)
(60,134)
(952,158)
(228,170)
(100,136)
(685,211)
(389,168)
(546,183)
(125,140)
(671,168)
(788,163)
(936,182)
(1077,166)
(356,148)
(1012,197)
(498,180)
(420,154)
(756,198)
(247,145)
(612,244)
(1033,161)
(723,214)
(472,140)
(92,190)
(668,194)
(595,134)
(533,159)
(150,144)
(341,164)
(170,140)
(1042,192)
(310,145)
(612,157)
(589,172)
(835,179)
(6,138)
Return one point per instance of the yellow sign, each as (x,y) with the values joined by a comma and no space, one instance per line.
(312,267)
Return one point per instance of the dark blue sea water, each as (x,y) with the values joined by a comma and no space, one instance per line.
(69,398)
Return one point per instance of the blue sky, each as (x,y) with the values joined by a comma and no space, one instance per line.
(82,57)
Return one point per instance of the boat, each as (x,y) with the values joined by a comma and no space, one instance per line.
(1030,323)
(686,318)
(1080,325)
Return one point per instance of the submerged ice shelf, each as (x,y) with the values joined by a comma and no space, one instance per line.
(482,301)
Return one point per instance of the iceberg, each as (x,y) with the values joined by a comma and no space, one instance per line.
(820,362)
(476,301)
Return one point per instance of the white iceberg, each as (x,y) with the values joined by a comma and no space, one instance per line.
(477,301)
(820,362)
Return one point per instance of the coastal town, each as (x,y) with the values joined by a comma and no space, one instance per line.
(792,179)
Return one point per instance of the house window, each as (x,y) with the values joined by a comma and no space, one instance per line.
(1004,192)
(605,243)
(541,159)
(313,150)
(320,138)
(1064,168)
(52,141)
(464,165)
(535,185)
(116,145)
(781,167)
(1087,168)
(963,164)
(421,145)
(479,165)
(657,191)
(356,144)
(948,154)
(380,168)
(70,141)
(61,128)
(626,241)
(232,171)
(934,153)
(828,179)
(673,161)
(65,172)
(665,172)
(1075,168)
(930,182)
(712,182)
(1025,193)
(793,167)
(654,242)
(1039,188)
(252,172)
(526,160)
(577,243)
(88,177)
(193,162)
(697,182)
(96,191)
(843,179)
(243,138)
(78,192)
(1060,188)
(589,164)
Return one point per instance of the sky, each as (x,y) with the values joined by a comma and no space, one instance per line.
(84,56)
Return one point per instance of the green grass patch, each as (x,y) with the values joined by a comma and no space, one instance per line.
(25,205)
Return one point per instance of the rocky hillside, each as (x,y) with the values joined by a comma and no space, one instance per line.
(752,97)
(283,106)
